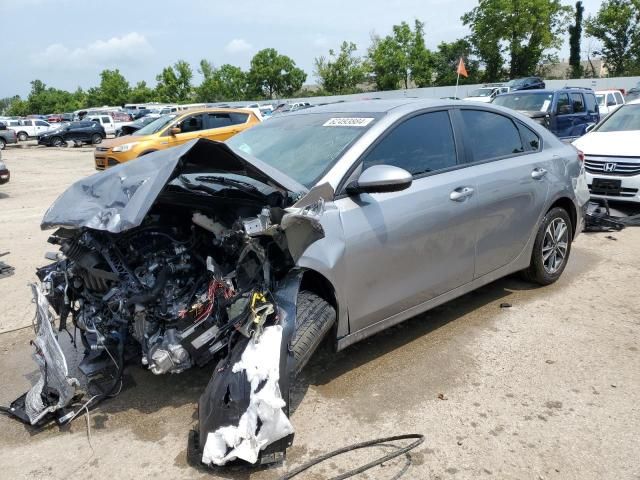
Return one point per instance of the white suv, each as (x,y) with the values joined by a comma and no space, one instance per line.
(106,121)
(608,101)
(29,128)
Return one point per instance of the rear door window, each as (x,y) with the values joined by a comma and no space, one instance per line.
(40,123)
(238,118)
(219,120)
(530,139)
(577,102)
(421,144)
(490,135)
(619,99)
(106,120)
(563,107)
(610,100)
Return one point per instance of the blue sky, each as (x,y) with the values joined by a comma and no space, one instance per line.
(66,43)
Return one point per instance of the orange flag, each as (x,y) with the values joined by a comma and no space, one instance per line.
(461,70)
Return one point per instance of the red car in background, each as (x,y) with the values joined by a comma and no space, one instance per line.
(54,118)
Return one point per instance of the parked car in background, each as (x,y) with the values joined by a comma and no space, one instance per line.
(106,121)
(5,175)
(174,129)
(612,155)
(121,117)
(55,118)
(129,128)
(527,83)
(486,94)
(608,101)
(7,136)
(29,128)
(77,132)
(566,112)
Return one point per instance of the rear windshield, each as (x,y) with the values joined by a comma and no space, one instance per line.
(303,146)
(526,101)
(624,119)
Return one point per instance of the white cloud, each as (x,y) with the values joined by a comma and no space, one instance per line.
(320,41)
(238,45)
(129,49)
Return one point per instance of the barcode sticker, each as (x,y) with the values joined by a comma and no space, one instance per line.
(348,122)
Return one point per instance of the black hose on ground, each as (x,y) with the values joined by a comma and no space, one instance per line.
(419,439)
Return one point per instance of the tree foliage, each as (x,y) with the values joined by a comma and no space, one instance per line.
(114,89)
(174,83)
(227,83)
(341,72)
(445,63)
(400,57)
(575,36)
(521,29)
(274,74)
(617,27)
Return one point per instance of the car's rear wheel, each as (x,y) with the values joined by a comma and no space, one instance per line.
(96,138)
(23,137)
(314,318)
(551,248)
(57,141)
(3,143)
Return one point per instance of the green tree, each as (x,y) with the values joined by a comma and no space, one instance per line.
(274,74)
(616,27)
(114,88)
(342,72)
(400,57)
(18,107)
(174,83)
(445,63)
(575,36)
(141,93)
(227,83)
(523,29)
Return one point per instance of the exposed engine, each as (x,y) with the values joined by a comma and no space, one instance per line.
(180,291)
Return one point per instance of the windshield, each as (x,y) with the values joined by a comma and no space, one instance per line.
(303,146)
(155,126)
(516,83)
(600,98)
(528,102)
(624,119)
(482,92)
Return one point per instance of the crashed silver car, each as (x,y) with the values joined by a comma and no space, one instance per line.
(337,221)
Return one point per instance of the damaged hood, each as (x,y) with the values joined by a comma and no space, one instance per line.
(119,198)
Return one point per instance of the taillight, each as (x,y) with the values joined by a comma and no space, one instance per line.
(581,155)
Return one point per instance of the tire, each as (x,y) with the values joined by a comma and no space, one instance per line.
(96,138)
(3,143)
(549,258)
(57,142)
(314,318)
(23,137)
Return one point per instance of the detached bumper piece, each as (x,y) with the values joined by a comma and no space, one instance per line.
(49,398)
(600,219)
(5,269)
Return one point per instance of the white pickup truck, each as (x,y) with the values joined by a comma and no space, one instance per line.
(106,121)
(29,128)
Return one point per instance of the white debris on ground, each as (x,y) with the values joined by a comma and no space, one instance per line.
(261,362)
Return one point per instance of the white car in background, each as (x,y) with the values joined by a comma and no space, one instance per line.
(612,155)
(608,101)
(486,94)
(106,121)
(29,128)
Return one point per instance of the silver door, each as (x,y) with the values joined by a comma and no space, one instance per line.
(407,247)
(512,186)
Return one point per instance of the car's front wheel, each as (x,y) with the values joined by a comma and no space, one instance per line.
(551,248)
(2,143)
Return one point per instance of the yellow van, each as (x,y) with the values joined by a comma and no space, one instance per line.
(172,130)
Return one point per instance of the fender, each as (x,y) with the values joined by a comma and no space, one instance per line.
(226,397)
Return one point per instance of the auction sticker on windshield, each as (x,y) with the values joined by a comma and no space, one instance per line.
(348,122)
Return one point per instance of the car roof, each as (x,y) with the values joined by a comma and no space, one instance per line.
(191,111)
(373,106)
(551,91)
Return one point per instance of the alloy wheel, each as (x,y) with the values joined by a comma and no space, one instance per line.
(555,245)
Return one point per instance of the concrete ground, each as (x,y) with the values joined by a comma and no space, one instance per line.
(545,389)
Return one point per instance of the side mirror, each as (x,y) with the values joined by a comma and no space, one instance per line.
(590,127)
(175,131)
(380,179)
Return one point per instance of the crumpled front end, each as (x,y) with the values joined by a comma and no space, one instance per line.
(183,270)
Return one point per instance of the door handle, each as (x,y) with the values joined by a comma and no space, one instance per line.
(461,194)
(538,173)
